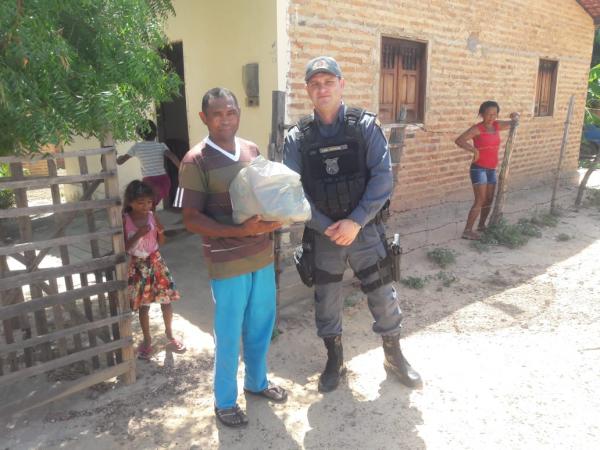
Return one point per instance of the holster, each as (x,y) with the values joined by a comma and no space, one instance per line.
(395,253)
(304,257)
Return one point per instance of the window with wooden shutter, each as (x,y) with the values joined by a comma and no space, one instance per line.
(402,80)
(546,88)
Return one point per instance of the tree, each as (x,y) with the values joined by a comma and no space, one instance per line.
(79,67)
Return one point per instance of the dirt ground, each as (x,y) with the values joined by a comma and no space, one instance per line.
(509,354)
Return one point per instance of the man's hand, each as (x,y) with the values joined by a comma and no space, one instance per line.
(343,232)
(254,225)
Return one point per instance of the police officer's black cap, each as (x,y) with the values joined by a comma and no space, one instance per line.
(322,64)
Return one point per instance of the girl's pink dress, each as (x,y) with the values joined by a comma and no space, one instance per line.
(149,279)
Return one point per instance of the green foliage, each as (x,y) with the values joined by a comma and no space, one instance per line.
(587,152)
(528,228)
(596,49)
(443,257)
(593,97)
(505,234)
(480,246)
(413,282)
(563,237)
(7,197)
(79,67)
(446,278)
(545,220)
(276,333)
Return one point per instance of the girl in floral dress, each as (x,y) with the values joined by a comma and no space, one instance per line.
(149,279)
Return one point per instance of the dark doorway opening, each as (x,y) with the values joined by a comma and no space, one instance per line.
(172,118)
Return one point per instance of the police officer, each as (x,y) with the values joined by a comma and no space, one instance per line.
(343,159)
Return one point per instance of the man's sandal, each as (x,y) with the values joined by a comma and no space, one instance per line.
(273,392)
(232,417)
(176,345)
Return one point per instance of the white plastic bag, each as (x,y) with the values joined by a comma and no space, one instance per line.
(268,189)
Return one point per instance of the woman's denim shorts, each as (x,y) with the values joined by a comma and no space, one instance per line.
(481,175)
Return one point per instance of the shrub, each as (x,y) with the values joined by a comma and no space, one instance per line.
(480,246)
(563,237)
(505,234)
(528,228)
(446,278)
(443,257)
(545,220)
(7,197)
(413,282)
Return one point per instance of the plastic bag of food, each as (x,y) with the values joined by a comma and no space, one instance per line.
(268,189)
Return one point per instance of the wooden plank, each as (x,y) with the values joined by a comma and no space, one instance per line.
(51,243)
(61,333)
(64,361)
(94,247)
(45,274)
(62,155)
(59,391)
(563,147)
(87,194)
(61,298)
(26,233)
(45,182)
(497,211)
(48,209)
(57,310)
(115,219)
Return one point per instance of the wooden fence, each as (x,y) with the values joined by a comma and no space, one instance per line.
(64,318)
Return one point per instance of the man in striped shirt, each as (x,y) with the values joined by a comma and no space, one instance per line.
(151,155)
(239,257)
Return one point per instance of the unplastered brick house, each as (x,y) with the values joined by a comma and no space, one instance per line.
(439,60)
(435,59)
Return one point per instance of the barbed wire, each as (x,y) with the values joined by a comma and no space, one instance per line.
(529,208)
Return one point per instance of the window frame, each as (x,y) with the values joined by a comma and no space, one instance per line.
(552,88)
(420,61)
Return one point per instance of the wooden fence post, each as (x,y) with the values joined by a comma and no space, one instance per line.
(563,147)
(503,177)
(114,217)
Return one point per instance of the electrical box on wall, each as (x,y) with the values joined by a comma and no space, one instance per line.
(250,82)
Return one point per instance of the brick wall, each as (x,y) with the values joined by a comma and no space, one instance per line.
(476,51)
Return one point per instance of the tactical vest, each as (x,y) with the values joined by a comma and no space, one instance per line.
(334,170)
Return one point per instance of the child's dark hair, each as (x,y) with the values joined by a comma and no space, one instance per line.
(488,104)
(147,131)
(134,190)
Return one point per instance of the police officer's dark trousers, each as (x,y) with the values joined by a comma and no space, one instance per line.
(366,250)
(330,261)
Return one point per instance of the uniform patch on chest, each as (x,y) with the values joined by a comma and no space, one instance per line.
(331,166)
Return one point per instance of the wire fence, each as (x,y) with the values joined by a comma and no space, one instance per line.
(417,227)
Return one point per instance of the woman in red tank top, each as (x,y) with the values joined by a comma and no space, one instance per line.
(485,148)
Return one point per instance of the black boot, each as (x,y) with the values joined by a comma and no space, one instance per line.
(397,364)
(335,369)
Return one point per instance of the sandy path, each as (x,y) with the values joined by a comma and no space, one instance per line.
(509,355)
